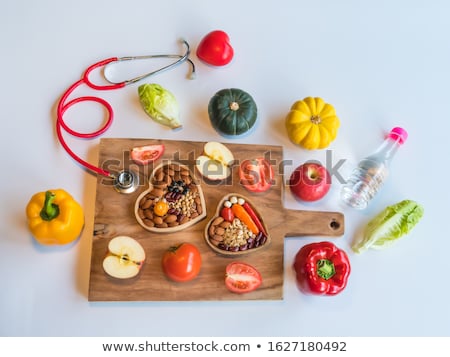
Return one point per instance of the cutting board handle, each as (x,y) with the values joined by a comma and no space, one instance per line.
(312,223)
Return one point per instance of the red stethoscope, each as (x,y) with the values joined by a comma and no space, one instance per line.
(64,104)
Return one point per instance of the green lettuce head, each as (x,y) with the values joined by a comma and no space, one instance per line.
(389,225)
(160,104)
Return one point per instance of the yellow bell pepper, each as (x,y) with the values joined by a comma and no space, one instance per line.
(54,217)
(312,123)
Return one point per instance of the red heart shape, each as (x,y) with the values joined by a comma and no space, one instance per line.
(215,49)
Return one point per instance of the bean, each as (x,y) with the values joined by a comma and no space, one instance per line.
(263,240)
(184,220)
(243,247)
(223,246)
(259,236)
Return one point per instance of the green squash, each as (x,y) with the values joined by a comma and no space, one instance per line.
(232,112)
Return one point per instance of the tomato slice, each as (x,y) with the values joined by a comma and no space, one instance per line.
(256,175)
(144,155)
(242,278)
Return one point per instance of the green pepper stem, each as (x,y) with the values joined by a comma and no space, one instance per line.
(50,209)
(325,269)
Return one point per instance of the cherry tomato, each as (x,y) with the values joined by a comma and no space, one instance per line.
(242,278)
(215,49)
(161,207)
(227,214)
(256,175)
(182,262)
(144,155)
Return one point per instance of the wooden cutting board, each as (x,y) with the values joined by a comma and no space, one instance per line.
(114,215)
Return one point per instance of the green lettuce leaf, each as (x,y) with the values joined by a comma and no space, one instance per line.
(160,104)
(389,225)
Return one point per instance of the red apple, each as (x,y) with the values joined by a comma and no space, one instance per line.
(310,182)
(215,49)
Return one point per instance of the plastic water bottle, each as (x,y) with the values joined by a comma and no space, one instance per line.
(371,172)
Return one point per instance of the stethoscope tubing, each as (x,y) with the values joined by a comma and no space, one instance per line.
(64,104)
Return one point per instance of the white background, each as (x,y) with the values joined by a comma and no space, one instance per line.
(380,63)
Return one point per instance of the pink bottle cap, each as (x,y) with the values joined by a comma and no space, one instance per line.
(399,134)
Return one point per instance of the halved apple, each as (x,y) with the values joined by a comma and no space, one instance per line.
(215,162)
(125,257)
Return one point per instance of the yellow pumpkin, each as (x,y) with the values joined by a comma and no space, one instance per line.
(312,123)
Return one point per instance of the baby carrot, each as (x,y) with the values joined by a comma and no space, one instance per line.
(243,215)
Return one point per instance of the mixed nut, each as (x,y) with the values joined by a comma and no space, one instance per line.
(238,228)
(173,200)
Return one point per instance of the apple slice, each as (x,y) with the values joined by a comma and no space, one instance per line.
(125,257)
(218,152)
(212,169)
(215,162)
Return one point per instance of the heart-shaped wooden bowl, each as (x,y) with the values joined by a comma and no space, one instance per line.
(174,184)
(234,237)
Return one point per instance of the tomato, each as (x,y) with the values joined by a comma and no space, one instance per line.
(242,278)
(256,175)
(161,208)
(227,214)
(143,155)
(182,262)
(215,49)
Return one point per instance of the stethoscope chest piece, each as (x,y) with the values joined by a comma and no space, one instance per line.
(126,181)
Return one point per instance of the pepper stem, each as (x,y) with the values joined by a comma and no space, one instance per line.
(50,209)
(325,269)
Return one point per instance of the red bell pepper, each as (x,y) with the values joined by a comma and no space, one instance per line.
(322,269)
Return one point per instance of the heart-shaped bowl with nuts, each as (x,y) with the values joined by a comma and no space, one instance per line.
(237,228)
(174,200)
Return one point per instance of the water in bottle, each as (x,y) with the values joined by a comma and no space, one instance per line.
(371,172)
